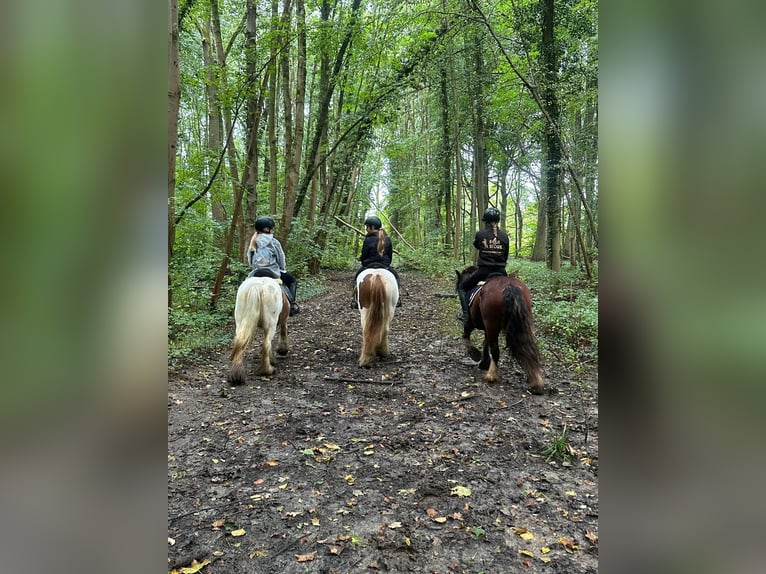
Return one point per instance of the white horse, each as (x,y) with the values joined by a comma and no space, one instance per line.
(261,303)
(376,293)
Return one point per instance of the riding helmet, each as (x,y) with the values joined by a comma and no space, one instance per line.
(373,221)
(491,215)
(264,222)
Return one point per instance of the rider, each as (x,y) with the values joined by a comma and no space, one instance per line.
(275,265)
(492,244)
(377,251)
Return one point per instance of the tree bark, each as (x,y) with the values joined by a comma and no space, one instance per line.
(174,100)
(552,160)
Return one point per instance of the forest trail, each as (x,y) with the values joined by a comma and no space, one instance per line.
(412,465)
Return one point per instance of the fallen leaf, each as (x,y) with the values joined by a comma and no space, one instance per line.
(592,537)
(217,553)
(526,563)
(171,541)
(460,491)
(336,550)
(195,566)
(315,521)
(395,525)
(440,519)
(272,463)
(570,493)
(238,532)
(407,541)
(545,559)
(218,523)
(306,557)
(526,553)
(568,543)
(432,512)
(545,550)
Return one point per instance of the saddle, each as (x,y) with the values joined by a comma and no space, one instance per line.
(264,273)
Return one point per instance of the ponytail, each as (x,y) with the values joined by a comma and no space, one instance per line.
(381,240)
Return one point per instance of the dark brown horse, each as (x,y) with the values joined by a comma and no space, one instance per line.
(503,305)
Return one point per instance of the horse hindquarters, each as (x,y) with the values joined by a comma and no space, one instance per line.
(256,306)
(519,336)
(377,301)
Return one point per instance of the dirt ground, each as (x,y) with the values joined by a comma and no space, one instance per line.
(412,465)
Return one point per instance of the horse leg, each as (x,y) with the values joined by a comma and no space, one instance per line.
(283,346)
(237,374)
(492,375)
(382,350)
(266,367)
(365,358)
(470,348)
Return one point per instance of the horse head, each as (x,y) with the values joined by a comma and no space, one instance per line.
(461,275)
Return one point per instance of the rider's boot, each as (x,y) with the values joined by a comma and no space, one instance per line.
(463,296)
(294,308)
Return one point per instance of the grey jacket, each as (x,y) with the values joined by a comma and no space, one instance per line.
(277,266)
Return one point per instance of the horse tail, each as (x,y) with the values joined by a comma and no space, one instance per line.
(377,312)
(246,315)
(519,330)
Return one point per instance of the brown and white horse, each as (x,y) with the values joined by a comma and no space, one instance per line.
(503,305)
(261,303)
(377,293)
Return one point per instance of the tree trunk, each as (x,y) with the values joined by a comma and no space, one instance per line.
(214,120)
(541,234)
(552,160)
(479,172)
(174,100)
(295,141)
(272,119)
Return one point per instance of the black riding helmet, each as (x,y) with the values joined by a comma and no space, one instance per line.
(491,215)
(373,221)
(263,222)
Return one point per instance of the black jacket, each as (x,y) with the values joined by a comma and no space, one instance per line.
(370,251)
(493,250)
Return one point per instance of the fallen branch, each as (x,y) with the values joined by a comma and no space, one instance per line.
(350,380)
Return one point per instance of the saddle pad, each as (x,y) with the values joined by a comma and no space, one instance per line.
(475,290)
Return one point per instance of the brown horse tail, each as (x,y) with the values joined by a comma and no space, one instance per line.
(519,328)
(376,312)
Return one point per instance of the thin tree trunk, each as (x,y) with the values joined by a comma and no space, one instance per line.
(295,141)
(174,100)
(272,119)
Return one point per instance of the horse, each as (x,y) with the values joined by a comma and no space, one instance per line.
(503,304)
(261,303)
(376,292)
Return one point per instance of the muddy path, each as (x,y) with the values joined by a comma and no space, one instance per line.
(412,465)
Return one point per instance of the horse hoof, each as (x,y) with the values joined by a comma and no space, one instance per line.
(475,354)
(536,390)
(282,352)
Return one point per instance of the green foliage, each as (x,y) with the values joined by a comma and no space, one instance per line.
(190,331)
(565,307)
(558,448)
